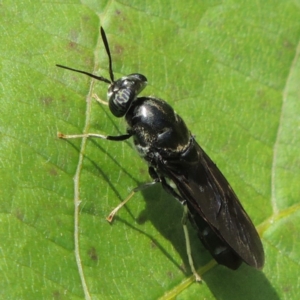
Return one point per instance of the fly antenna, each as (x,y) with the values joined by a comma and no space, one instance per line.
(105,42)
(86,73)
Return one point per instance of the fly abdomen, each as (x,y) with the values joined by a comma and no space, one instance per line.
(217,247)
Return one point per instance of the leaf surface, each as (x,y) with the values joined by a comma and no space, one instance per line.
(230,69)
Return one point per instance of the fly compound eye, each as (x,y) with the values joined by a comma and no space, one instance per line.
(120,101)
(123,92)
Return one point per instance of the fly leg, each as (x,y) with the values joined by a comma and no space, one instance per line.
(95,96)
(122,137)
(144,186)
(187,242)
(156,179)
(171,191)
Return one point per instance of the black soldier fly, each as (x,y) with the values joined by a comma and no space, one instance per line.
(173,155)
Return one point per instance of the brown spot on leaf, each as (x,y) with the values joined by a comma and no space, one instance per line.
(120,15)
(118,49)
(63,98)
(170,274)
(92,253)
(260,93)
(86,18)
(56,295)
(288,44)
(46,100)
(53,172)
(153,245)
(20,215)
(142,171)
(72,45)
(287,288)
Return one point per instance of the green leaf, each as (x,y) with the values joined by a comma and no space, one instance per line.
(230,69)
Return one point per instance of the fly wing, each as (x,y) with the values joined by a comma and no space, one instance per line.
(209,194)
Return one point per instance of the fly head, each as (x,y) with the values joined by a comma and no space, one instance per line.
(122,92)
